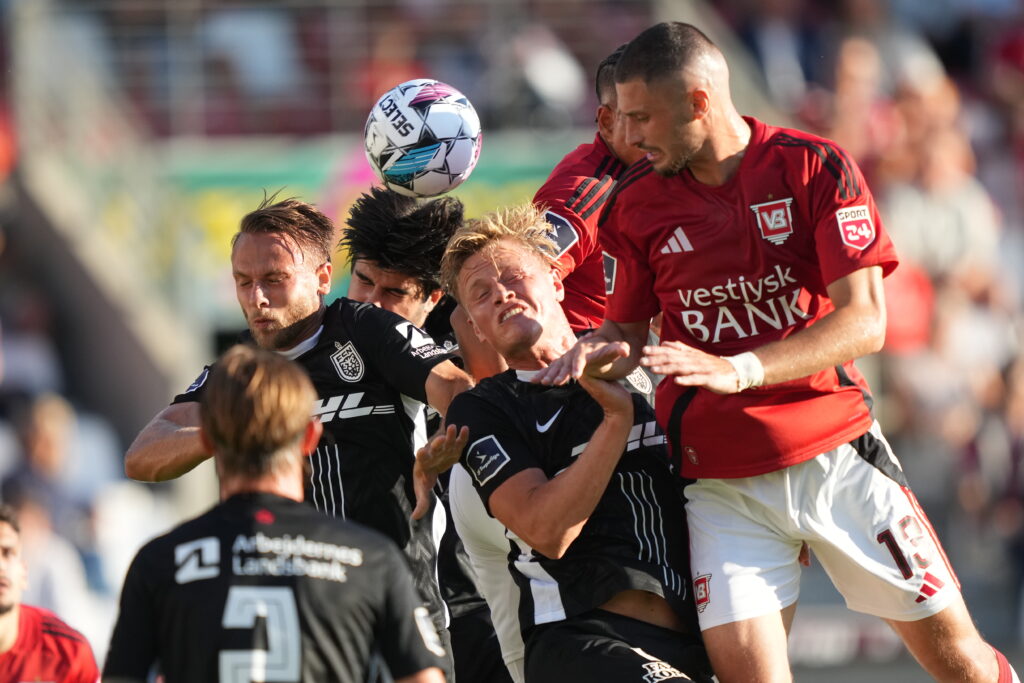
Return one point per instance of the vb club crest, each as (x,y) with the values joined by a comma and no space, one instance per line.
(774,219)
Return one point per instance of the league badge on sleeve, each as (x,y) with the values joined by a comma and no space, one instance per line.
(610,266)
(856,227)
(561,233)
(485,459)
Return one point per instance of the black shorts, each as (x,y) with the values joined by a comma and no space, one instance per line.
(475,649)
(607,647)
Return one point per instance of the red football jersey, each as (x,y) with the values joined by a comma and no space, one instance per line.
(573,196)
(739,265)
(47,649)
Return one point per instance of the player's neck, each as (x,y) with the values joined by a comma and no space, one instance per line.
(545,350)
(9,628)
(285,484)
(723,151)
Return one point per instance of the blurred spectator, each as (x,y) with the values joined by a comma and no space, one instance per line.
(30,358)
(786,44)
(943,219)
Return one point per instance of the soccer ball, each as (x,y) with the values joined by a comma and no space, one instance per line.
(422,138)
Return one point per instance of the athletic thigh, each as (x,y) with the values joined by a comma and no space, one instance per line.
(874,540)
(743,548)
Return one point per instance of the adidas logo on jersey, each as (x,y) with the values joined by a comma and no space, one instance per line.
(677,243)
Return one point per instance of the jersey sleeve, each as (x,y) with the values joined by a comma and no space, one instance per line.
(133,645)
(86,670)
(496,450)
(402,352)
(408,639)
(194,393)
(848,230)
(575,239)
(629,281)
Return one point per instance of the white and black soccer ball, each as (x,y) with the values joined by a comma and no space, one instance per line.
(422,138)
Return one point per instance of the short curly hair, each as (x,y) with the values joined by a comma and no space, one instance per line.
(402,234)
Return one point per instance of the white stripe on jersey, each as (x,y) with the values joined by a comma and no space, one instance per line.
(341,482)
(320,478)
(653,538)
(334,509)
(547,600)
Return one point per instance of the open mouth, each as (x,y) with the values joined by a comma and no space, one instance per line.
(515,310)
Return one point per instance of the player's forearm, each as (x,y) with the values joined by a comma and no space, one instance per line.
(843,335)
(164,451)
(445,382)
(611,332)
(555,512)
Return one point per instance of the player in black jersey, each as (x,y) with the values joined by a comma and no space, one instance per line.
(394,246)
(578,474)
(262,587)
(372,371)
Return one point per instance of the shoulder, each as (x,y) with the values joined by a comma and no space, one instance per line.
(807,152)
(52,628)
(637,181)
(582,181)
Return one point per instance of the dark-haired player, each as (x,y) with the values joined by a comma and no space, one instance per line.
(577,474)
(35,645)
(373,371)
(262,587)
(574,194)
(763,248)
(395,244)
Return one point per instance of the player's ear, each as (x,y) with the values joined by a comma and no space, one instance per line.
(606,121)
(311,436)
(323,278)
(700,100)
(559,286)
(433,298)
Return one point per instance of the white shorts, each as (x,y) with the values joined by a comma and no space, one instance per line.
(853,508)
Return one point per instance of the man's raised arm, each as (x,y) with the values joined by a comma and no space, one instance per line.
(168,446)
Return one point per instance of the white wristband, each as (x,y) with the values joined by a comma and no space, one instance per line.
(749,371)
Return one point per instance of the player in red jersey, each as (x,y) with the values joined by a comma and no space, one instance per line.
(34,644)
(572,197)
(764,250)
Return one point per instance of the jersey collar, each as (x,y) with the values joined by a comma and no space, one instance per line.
(303,346)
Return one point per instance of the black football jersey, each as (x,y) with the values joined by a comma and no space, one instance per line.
(636,537)
(265,588)
(370,368)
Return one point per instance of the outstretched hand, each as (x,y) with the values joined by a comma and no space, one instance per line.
(691,367)
(437,455)
(592,355)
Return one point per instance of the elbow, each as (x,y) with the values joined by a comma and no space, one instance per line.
(553,543)
(875,333)
(134,468)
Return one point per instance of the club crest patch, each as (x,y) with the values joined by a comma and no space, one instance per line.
(640,381)
(485,459)
(774,219)
(347,362)
(702,591)
(856,227)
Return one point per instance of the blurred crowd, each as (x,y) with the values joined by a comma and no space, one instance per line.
(237,67)
(927,97)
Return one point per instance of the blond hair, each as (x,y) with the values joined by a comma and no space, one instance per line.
(523,224)
(255,409)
